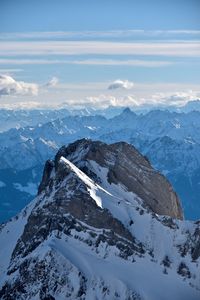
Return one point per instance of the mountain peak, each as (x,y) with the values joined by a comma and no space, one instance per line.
(92,232)
(127,110)
(123,165)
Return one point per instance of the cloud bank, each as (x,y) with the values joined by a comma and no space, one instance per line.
(104,100)
(9,86)
(178,98)
(156,100)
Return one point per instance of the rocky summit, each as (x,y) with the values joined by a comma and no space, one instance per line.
(104,225)
(126,167)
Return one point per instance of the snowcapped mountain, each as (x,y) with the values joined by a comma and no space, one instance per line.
(21,118)
(96,230)
(169,139)
(43,140)
(178,160)
(190,106)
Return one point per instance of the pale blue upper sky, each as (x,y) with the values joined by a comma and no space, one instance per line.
(151,48)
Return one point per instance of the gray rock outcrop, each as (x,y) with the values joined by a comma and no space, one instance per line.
(126,166)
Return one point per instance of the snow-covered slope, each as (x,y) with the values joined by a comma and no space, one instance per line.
(87,236)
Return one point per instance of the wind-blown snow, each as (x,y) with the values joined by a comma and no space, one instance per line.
(92,188)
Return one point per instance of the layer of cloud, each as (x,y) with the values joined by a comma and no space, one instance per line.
(157,95)
(105,100)
(134,33)
(177,98)
(92,62)
(8,71)
(130,63)
(121,84)
(175,48)
(102,101)
(14,61)
(156,100)
(22,105)
(9,86)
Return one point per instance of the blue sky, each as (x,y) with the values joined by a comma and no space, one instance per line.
(51,15)
(148,51)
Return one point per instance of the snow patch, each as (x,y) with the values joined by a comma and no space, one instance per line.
(2,184)
(30,188)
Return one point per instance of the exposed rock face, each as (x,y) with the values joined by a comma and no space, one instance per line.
(128,167)
(92,232)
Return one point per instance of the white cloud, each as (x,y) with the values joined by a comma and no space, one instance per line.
(132,33)
(21,105)
(177,98)
(95,94)
(102,101)
(131,63)
(95,62)
(9,86)
(118,84)
(175,48)
(53,82)
(13,61)
(105,100)
(159,99)
(8,71)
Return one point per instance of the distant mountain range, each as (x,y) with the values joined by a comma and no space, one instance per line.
(21,118)
(170,140)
